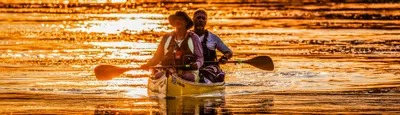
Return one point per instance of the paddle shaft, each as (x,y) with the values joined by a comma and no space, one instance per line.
(159,67)
(181,66)
(239,61)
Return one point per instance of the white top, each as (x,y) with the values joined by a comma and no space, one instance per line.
(214,42)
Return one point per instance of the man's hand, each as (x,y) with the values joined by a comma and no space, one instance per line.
(223,60)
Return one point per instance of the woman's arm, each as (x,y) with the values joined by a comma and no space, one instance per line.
(158,56)
(198,50)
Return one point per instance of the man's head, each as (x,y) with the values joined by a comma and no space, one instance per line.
(200,19)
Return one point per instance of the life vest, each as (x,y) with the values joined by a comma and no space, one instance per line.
(210,72)
(179,55)
(209,55)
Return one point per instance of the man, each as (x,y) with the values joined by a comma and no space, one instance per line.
(180,47)
(211,72)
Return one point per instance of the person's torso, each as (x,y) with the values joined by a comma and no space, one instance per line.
(209,48)
(175,54)
(211,41)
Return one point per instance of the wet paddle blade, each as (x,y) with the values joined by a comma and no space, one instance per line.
(108,72)
(261,62)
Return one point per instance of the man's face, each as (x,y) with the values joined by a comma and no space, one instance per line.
(200,20)
(180,22)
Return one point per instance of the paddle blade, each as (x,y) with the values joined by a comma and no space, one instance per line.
(261,62)
(108,72)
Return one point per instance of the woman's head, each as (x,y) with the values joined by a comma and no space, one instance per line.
(180,20)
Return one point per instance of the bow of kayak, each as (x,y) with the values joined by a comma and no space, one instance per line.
(174,86)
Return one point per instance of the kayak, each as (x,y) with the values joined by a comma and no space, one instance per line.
(174,86)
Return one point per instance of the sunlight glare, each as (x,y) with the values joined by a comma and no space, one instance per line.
(114,27)
(125,44)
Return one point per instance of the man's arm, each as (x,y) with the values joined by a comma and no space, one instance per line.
(222,47)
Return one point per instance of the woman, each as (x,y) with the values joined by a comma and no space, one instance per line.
(180,47)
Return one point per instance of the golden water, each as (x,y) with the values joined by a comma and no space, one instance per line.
(329,57)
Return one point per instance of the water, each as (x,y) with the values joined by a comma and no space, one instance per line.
(340,58)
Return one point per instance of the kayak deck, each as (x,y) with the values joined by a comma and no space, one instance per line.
(173,86)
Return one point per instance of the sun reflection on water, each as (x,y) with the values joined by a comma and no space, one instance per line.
(125,44)
(126,23)
(52,48)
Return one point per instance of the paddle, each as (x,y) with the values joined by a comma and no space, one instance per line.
(108,72)
(260,62)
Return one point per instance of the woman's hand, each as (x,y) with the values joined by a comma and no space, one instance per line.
(171,70)
(194,65)
(145,67)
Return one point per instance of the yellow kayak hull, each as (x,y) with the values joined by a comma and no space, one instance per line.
(173,86)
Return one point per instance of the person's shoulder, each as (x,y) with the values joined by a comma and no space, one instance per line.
(213,36)
(210,32)
(167,35)
(194,35)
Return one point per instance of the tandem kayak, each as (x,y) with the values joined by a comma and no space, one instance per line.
(173,86)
